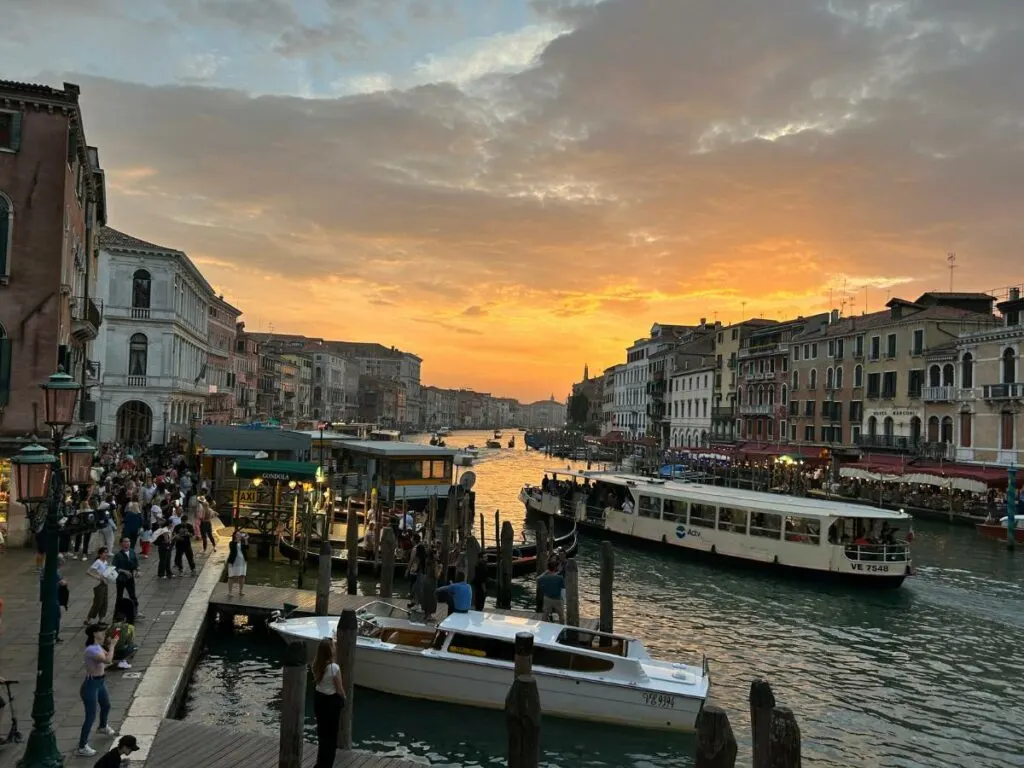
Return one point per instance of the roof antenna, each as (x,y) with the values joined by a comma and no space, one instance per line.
(951,260)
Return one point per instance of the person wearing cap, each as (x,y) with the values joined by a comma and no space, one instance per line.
(113,759)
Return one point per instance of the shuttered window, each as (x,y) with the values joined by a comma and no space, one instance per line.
(10,131)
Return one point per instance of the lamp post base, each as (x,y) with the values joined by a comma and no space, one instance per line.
(42,751)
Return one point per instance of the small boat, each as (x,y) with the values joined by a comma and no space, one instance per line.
(492,444)
(444,432)
(998,530)
(469,658)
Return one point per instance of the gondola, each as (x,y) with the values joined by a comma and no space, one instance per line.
(524,556)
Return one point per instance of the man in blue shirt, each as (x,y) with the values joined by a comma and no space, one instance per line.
(458,595)
(550,586)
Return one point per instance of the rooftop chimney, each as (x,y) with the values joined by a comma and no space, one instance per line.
(833,317)
(1014,294)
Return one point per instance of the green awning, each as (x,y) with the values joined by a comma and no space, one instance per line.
(277,471)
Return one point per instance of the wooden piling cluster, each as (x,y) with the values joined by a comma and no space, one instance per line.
(774,731)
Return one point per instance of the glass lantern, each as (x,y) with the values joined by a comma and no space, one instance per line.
(33,470)
(78,453)
(61,395)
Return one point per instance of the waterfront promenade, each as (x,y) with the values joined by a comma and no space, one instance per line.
(161,658)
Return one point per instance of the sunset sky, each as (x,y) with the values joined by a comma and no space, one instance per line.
(513,188)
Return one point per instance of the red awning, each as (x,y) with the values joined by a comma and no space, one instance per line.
(754,450)
(884,464)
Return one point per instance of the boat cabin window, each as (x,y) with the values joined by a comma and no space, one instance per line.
(436,470)
(649,506)
(734,520)
(405,469)
(482,647)
(576,662)
(674,511)
(702,515)
(863,530)
(409,636)
(804,530)
(766,524)
(594,641)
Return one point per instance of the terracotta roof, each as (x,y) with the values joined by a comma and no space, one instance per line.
(951,296)
(69,93)
(856,324)
(113,238)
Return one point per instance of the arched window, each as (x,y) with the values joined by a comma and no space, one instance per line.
(872,426)
(141,286)
(1009,366)
(138,352)
(858,376)
(947,375)
(967,371)
(888,426)
(771,395)
(934,376)
(915,429)
(965,429)
(6,234)
(796,380)
(785,395)
(947,429)
(933,429)
(839,377)
(812,381)
(830,378)
(760,395)
(739,395)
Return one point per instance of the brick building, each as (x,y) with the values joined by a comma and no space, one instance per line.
(52,199)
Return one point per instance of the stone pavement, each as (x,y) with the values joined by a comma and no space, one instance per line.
(160,601)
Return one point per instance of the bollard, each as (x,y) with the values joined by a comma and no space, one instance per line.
(352,547)
(783,739)
(345,651)
(387,561)
(522,709)
(762,701)
(293,705)
(323,580)
(607,585)
(716,744)
(505,566)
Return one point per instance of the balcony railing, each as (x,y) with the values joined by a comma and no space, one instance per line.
(756,410)
(1003,391)
(722,412)
(764,349)
(946,394)
(86,317)
(140,313)
(892,442)
(136,381)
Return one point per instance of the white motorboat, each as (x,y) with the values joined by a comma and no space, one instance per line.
(469,658)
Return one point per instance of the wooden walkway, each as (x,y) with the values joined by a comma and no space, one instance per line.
(260,602)
(180,744)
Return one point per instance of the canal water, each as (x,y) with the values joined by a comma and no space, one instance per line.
(929,676)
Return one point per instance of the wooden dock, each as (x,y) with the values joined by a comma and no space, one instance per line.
(179,744)
(261,602)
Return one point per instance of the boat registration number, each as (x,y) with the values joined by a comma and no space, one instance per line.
(870,567)
(660,700)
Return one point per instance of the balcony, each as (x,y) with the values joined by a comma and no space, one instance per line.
(136,381)
(722,412)
(764,349)
(86,317)
(945,394)
(890,442)
(1003,391)
(756,410)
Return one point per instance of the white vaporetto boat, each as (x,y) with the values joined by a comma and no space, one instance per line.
(817,537)
(469,659)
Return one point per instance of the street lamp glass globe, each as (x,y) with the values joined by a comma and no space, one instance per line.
(78,454)
(33,469)
(61,395)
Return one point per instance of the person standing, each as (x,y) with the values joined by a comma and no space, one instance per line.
(238,553)
(127,563)
(328,701)
(183,547)
(132,523)
(101,571)
(163,539)
(204,512)
(551,586)
(107,525)
(85,534)
(98,654)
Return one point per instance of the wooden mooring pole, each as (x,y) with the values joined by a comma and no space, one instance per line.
(293,705)
(606,622)
(345,651)
(387,561)
(323,580)
(446,552)
(522,708)
(541,532)
(505,566)
(572,593)
(775,734)
(352,548)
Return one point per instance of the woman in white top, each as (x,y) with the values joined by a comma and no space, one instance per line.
(329,698)
(238,549)
(100,570)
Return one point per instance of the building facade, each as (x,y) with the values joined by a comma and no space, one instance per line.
(545,414)
(52,200)
(153,344)
(222,327)
(609,399)
(860,381)
(246,364)
(724,411)
(691,390)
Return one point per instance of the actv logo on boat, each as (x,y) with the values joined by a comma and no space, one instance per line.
(680,531)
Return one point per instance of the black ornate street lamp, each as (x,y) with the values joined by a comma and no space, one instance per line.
(40,477)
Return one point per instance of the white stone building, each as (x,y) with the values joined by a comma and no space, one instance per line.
(153,343)
(690,399)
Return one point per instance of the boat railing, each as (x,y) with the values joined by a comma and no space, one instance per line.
(381,610)
(877,553)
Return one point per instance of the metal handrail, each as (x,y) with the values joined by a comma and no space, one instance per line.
(889,553)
